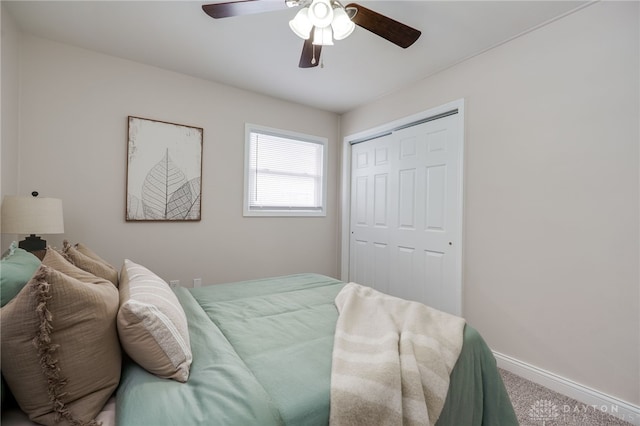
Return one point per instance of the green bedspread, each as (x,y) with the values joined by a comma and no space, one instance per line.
(262,356)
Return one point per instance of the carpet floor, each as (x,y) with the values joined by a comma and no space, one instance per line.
(536,405)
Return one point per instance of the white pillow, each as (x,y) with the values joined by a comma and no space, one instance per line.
(152,324)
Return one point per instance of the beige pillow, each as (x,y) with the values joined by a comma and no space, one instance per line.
(152,324)
(85,258)
(60,352)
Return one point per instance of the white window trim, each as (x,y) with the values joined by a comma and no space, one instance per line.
(249,128)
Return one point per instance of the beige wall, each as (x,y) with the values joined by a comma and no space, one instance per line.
(9,136)
(74,105)
(551,259)
(551,254)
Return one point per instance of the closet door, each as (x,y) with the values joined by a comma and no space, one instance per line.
(405,205)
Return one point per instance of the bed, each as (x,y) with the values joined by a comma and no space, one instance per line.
(261,354)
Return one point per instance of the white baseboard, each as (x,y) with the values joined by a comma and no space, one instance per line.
(590,397)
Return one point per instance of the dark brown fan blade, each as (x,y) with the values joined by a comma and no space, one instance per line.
(310,54)
(242,7)
(392,30)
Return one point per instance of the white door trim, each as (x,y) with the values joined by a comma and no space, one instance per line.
(380,130)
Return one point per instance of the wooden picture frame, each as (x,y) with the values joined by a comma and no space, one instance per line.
(164,171)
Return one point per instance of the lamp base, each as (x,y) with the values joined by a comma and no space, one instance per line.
(33,243)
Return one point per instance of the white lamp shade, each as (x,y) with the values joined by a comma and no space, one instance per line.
(32,215)
(322,36)
(342,25)
(300,24)
(321,13)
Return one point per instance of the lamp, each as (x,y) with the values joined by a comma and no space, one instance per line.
(321,13)
(32,215)
(341,24)
(322,36)
(328,20)
(301,25)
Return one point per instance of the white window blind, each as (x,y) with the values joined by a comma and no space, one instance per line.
(284,173)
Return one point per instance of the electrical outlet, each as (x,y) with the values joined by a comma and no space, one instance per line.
(197,282)
(174,283)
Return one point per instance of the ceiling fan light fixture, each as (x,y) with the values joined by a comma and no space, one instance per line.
(300,24)
(323,36)
(321,13)
(341,24)
(329,17)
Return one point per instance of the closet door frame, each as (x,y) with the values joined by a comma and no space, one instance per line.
(386,128)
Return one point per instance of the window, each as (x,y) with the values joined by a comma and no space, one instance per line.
(284,173)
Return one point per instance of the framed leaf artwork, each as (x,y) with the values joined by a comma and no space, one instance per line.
(164,171)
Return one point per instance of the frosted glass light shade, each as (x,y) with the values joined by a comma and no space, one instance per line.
(321,13)
(341,24)
(32,215)
(322,36)
(327,22)
(300,24)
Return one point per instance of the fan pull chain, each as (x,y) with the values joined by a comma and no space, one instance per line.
(313,55)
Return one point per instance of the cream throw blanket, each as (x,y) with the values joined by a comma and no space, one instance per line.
(391,359)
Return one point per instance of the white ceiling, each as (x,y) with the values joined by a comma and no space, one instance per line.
(260,53)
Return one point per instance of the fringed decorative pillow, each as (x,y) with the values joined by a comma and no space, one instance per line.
(152,324)
(61,356)
(84,258)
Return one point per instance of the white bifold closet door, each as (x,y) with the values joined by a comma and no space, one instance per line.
(405,207)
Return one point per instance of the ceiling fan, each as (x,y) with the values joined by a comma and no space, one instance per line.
(319,22)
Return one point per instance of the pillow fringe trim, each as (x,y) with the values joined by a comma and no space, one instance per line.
(66,245)
(46,352)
